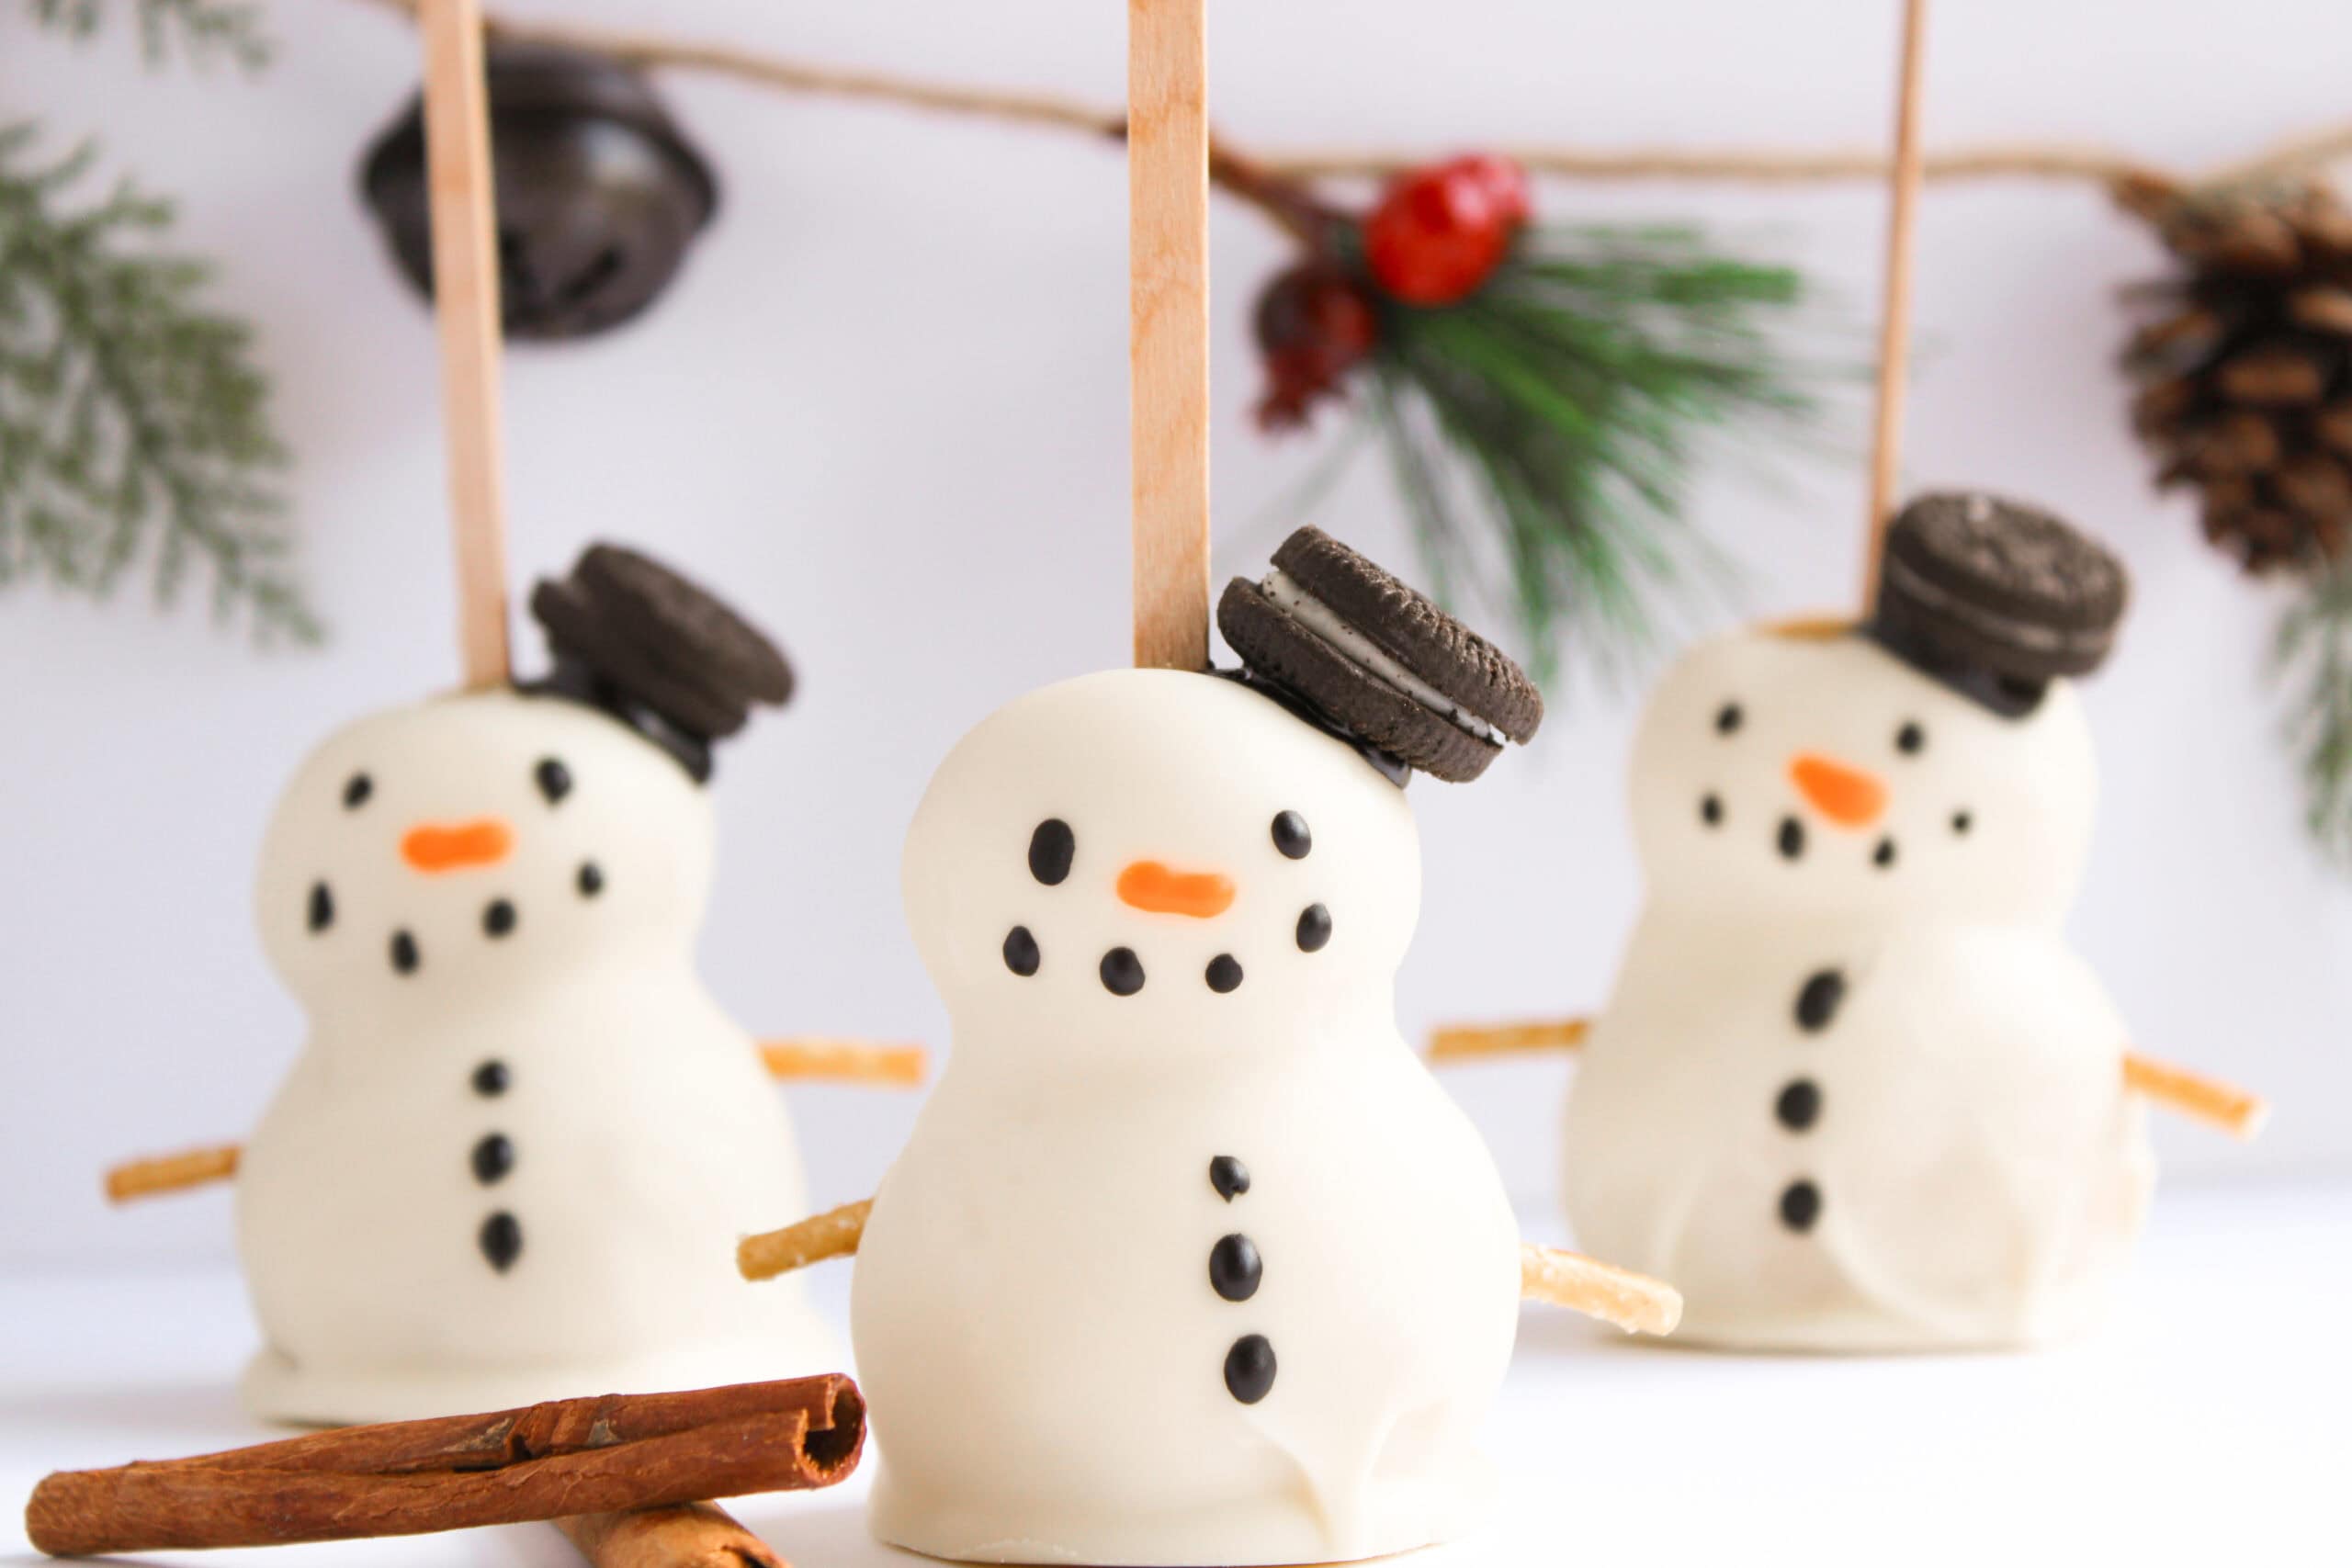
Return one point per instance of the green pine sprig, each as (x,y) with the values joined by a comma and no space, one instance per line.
(1545,431)
(134,423)
(197,32)
(2313,658)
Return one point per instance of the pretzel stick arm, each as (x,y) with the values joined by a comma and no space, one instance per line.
(2234,1110)
(170,1173)
(1634,1302)
(1467,1043)
(833,1234)
(814,1058)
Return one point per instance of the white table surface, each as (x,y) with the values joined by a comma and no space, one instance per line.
(2210,1422)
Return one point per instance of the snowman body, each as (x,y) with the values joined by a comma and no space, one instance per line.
(1853,1090)
(513,1157)
(1188,1259)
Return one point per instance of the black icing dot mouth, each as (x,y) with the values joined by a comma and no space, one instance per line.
(1711,809)
(405,958)
(355,791)
(1314,928)
(591,879)
(320,911)
(1122,972)
(1962,822)
(1225,974)
(1883,857)
(498,920)
(1790,839)
(1021,954)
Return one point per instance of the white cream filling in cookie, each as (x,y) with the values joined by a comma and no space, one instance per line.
(1361,651)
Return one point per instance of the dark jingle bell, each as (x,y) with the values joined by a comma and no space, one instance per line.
(598,193)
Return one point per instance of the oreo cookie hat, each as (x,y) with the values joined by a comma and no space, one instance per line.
(1352,648)
(657,651)
(1995,599)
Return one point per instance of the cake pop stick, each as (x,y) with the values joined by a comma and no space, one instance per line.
(1895,328)
(1167,205)
(2237,1112)
(170,1173)
(464,309)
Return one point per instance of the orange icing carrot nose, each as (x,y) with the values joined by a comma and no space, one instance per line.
(1847,796)
(482,841)
(1148,885)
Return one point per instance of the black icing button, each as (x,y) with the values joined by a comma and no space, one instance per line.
(1314,928)
(1799,1105)
(404,955)
(591,879)
(1225,974)
(1229,1177)
(1234,1267)
(321,907)
(502,1240)
(490,1078)
(1884,856)
(1021,954)
(1799,1206)
(493,1157)
(1122,972)
(1249,1367)
(1824,993)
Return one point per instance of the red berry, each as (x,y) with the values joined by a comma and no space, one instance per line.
(1504,182)
(1439,233)
(1314,324)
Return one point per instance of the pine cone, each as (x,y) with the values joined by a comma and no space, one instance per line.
(2244,362)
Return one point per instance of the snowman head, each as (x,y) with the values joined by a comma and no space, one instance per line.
(1152,860)
(1147,866)
(1779,775)
(1934,761)
(475,846)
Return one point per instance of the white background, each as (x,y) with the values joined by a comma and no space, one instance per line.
(886,407)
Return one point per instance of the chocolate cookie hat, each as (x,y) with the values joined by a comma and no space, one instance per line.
(1995,599)
(1349,646)
(661,654)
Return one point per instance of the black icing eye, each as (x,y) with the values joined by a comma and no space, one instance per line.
(1911,740)
(355,791)
(1050,848)
(1962,822)
(1291,836)
(553,778)
(321,911)
(1728,719)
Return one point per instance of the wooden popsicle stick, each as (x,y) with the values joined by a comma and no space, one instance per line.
(1895,329)
(1168,348)
(170,1173)
(1473,1041)
(832,1235)
(2234,1110)
(688,1535)
(817,1058)
(465,307)
(1634,1302)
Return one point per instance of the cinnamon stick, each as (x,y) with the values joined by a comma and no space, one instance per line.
(834,1233)
(691,1535)
(608,1454)
(170,1173)
(813,1057)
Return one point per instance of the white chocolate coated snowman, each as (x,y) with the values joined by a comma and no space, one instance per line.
(1853,1090)
(511,1159)
(1188,1258)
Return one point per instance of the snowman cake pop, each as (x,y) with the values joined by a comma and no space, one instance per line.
(1854,1090)
(1188,1259)
(521,1136)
